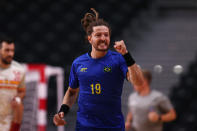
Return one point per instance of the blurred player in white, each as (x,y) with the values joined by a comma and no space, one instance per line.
(12,88)
(148,109)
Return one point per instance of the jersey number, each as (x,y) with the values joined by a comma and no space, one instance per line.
(96,88)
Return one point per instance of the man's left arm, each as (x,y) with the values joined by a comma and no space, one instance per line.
(164,105)
(17,105)
(134,74)
(21,89)
(169,116)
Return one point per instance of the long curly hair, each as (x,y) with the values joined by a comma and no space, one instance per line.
(92,19)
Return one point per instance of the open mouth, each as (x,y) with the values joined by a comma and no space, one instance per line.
(103,45)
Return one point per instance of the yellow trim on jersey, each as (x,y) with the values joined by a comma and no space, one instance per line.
(8,87)
(9,82)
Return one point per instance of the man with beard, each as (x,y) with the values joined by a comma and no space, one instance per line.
(12,88)
(98,77)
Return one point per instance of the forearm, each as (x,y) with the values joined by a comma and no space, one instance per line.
(22,88)
(135,75)
(21,93)
(129,117)
(70,97)
(170,116)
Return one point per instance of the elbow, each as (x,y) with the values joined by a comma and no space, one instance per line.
(174,115)
(72,92)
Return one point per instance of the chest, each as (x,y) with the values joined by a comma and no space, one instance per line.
(97,70)
(143,104)
(10,76)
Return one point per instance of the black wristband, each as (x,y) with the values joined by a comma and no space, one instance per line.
(129,59)
(64,108)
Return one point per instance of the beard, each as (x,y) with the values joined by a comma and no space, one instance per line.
(7,60)
(101,49)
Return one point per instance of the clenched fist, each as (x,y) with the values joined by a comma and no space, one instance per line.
(120,47)
(58,119)
(153,117)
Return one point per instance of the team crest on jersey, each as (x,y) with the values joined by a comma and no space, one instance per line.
(17,75)
(107,69)
(83,69)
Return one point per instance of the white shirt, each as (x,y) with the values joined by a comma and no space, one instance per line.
(11,80)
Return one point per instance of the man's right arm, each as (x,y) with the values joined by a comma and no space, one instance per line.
(70,96)
(69,99)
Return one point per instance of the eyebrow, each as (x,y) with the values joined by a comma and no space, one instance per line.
(102,32)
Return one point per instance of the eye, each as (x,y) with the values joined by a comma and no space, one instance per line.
(98,35)
(106,35)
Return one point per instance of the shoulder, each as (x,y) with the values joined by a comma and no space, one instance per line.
(17,66)
(133,95)
(157,94)
(81,58)
(132,101)
(114,53)
(116,56)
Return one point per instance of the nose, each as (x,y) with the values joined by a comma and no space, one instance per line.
(103,37)
(11,53)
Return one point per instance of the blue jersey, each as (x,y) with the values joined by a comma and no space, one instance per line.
(100,82)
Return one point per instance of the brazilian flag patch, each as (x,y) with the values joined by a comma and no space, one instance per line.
(107,69)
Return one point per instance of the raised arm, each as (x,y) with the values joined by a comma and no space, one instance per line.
(134,74)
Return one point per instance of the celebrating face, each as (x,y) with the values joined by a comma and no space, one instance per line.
(100,38)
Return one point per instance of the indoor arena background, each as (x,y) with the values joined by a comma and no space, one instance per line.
(160,34)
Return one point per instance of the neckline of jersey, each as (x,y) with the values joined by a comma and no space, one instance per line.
(151,91)
(97,59)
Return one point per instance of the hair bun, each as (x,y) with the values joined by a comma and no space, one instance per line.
(89,18)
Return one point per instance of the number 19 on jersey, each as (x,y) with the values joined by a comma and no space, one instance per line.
(96,88)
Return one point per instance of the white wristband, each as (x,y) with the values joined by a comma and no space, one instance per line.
(18,99)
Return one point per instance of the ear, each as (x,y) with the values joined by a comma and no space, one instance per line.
(89,38)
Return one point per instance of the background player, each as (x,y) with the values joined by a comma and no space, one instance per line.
(148,109)
(12,88)
(100,75)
